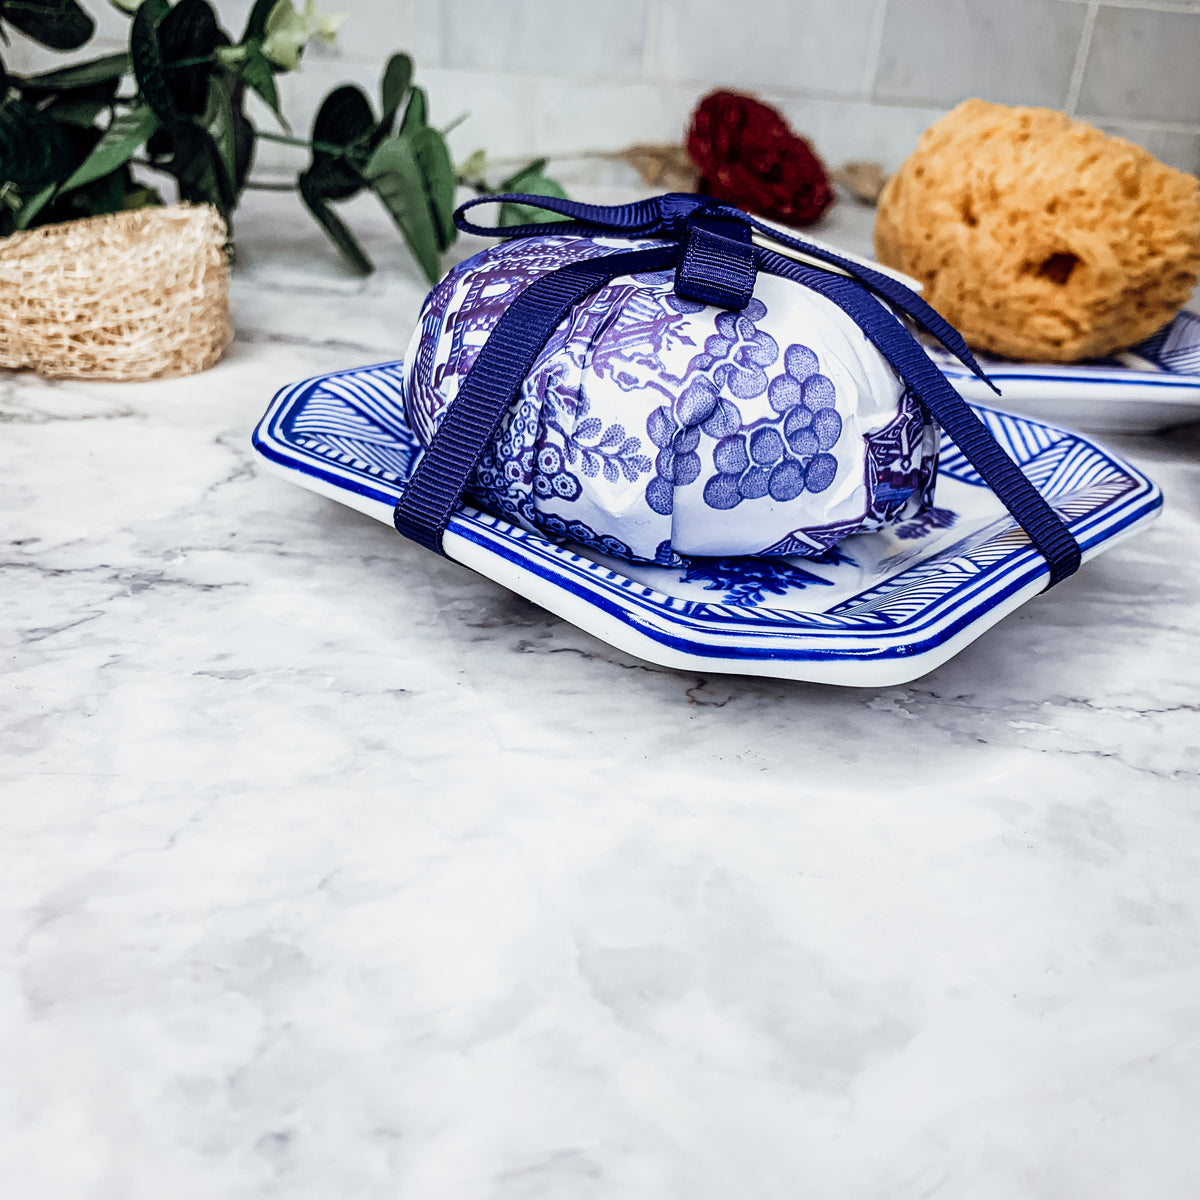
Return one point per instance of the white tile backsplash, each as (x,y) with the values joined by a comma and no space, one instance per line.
(1174,147)
(608,116)
(856,130)
(1143,64)
(859,78)
(499,108)
(373,29)
(604,40)
(938,52)
(815,47)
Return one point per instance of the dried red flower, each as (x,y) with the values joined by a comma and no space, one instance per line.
(747,155)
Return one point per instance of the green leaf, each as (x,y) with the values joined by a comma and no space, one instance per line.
(397,78)
(199,169)
(190,31)
(120,143)
(59,24)
(333,226)
(286,36)
(416,115)
(218,120)
(259,75)
(433,157)
(78,106)
(256,23)
(106,195)
(244,142)
(34,150)
(531,180)
(82,113)
(473,168)
(34,205)
(395,176)
(3,81)
(148,64)
(528,175)
(80,75)
(344,119)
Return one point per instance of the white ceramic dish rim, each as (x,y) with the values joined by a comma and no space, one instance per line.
(1111,398)
(841,648)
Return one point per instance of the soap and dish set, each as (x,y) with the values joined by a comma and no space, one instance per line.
(879,607)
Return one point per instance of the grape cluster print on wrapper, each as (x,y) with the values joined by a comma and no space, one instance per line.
(720,414)
(776,457)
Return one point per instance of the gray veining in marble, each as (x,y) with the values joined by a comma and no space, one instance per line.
(333,871)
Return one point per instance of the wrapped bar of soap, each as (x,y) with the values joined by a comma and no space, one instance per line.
(652,426)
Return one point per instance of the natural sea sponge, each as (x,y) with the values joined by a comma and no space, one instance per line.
(1041,237)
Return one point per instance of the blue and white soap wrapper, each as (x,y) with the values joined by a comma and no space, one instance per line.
(652,426)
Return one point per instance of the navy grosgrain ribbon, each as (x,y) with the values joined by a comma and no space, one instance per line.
(436,486)
(673,215)
(709,245)
(1010,484)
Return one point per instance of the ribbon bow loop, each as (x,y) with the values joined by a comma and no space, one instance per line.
(717,264)
(722,258)
(677,210)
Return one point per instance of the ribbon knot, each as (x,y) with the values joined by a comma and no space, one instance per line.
(717,264)
(676,209)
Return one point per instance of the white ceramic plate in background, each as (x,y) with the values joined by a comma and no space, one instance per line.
(1153,387)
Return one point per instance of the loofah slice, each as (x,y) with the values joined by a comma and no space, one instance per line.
(1041,237)
(134,295)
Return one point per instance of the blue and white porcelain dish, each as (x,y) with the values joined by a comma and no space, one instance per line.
(877,609)
(1153,386)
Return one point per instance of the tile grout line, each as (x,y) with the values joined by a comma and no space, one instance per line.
(1164,6)
(1081,56)
(1141,125)
(874,51)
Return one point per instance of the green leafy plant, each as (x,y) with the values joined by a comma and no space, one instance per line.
(81,141)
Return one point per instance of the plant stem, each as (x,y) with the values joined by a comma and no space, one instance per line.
(254,185)
(196,61)
(145,162)
(302,143)
(284,139)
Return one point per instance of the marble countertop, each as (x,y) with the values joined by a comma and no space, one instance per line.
(331,870)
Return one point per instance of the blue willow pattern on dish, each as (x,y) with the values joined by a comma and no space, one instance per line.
(349,430)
